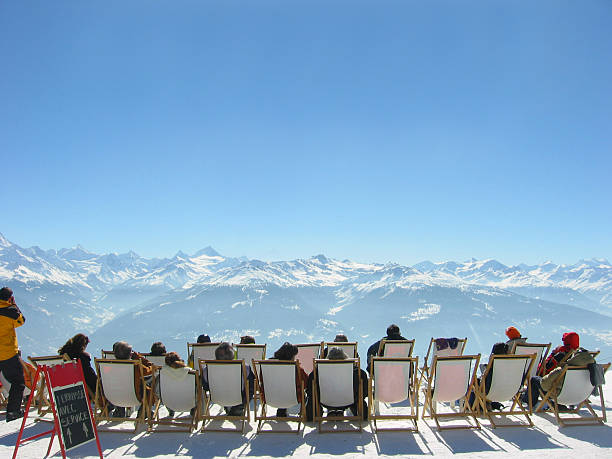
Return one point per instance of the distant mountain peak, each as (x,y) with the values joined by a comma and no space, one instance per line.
(321,258)
(209,251)
(181,254)
(4,242)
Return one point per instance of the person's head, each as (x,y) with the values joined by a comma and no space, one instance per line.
(122,350)
(247,339)
(335,353)
(75,345)
(393,330)
(287,351)
(5,294)
(158,348)
(512,333)
(174,360)
(571,340)
(224,351)
(340,338)
(499,349)
(203,339)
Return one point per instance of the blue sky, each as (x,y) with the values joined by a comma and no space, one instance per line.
(376,131)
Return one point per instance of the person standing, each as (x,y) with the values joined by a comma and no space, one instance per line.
(10,363)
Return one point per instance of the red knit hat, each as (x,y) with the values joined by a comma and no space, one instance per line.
(571,340)
(512,333)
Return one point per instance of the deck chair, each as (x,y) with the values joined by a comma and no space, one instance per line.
(157,360)
(250,352)
(510,374)
(226,381)
(393,380)
(574,388)
(276,381)
(108,354)
(432,352)
(117,385)
(179,395)
(41,397)
(396,348)
(540,350)
(350,349)
(452,378)
(306,355)
(332,386)
(201,351)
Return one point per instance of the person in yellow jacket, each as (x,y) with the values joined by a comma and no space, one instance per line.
(10,363)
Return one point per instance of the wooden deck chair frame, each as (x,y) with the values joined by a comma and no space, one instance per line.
(108,354)
(431,353)
(342,345)
(43,405)
(481,397)
(412,393)
(466,411)
(178,425)
(191,352)
(526,346)
(102,403)
(318,414)
(205,416)
(307,363)
(384,342)
(551,398)
(260,387)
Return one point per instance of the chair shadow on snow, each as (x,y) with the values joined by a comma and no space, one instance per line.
(335,443)
(464,441)
(400,444)
(274,445)
(524,439)
(597,435)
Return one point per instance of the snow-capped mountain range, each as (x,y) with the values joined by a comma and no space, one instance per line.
(68,290)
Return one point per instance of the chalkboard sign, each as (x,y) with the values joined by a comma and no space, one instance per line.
(73,413)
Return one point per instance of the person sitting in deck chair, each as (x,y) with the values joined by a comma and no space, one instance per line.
(288,351)
(176,369)
(158,348)
(571,343)
(338,354)
(225,351)
(514,337)
(340,338)
(123,351)
(247,339)
(393,333)
(498,349)
(75,349)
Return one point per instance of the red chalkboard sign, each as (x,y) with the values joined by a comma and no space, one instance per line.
(73,420)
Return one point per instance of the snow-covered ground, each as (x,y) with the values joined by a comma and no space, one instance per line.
(545,439)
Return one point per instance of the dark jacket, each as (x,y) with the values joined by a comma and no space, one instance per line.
(373,349)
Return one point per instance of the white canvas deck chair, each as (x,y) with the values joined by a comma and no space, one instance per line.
(41,397)
(226,381)
(276,381)
(306,355)
(393,380)
(350,349)
(433,351)
(108,354)
(201,351)
(333,387)
(250,352)
(117,381)
(540,350)
(396,348)
(157,360)
(452,378)
(180,395)
(574,388)
(510,374)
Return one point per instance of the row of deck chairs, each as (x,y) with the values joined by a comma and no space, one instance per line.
(446,378)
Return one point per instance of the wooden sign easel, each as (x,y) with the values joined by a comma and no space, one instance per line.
(73,419)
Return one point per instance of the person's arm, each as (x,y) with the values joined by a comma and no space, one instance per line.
(14,313)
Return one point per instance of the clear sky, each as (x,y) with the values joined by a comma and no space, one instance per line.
(377,131)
